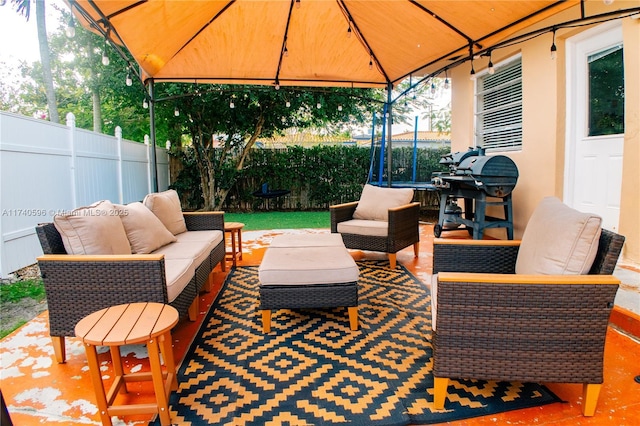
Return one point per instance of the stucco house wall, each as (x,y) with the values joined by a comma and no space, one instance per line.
(541,161)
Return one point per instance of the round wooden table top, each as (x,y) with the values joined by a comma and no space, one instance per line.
(232,226)
(126,324)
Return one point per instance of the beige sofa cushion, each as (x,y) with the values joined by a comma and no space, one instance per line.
(94,229)
(198,251)
(178,273)
(558,240)
(166,205)
(211,236)
(375,202)
(144,230)
(371,228)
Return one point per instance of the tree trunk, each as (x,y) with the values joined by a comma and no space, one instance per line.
(45,59)
(97,110)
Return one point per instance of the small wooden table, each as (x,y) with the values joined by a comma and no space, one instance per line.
(235,229)
(148,323)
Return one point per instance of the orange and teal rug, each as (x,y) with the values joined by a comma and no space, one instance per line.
(313,370)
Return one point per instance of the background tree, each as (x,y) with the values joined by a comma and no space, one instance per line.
(223,123)
(24,8)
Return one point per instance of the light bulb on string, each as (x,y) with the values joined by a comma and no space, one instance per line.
(105,58)
(288,104)
(70,30)
(492,70)
(145,104)
(554,49)
(472,74)
(433,88)
(232,105)
(318,105)
(447,84)
(370,63)
(349,31)
(129,81)
(339,107)
(176,112)
(297,4)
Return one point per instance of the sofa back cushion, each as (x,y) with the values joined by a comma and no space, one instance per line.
(558,240)
(95,229)
(375,202)
(166,206)
(144,230)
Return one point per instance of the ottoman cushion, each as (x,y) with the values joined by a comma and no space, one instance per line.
(307,260)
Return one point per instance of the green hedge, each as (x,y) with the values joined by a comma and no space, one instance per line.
(317,177)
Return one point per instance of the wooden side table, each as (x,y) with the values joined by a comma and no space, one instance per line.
(235,229)
(148,323)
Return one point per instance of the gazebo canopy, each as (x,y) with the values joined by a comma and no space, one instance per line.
(358,43)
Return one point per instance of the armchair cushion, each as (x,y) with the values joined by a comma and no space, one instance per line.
(558,240)
(95,229)
(144,230)
(166,206)
(371,228)
(375,202)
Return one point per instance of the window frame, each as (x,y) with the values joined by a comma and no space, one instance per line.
(509,110)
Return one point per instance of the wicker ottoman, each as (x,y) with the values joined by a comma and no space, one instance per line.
(308,271)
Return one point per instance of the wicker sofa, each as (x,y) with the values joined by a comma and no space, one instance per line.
(384,220)
(161,266)
(534,310)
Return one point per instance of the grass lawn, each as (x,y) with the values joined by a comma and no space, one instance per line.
(280,220)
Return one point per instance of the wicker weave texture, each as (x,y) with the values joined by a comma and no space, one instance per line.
(309,296)
(474,258)
(403,229)
(75,289)
(538,333)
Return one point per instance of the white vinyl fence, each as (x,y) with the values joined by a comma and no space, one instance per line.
(46,168)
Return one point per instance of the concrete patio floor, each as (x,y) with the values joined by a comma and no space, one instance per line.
(39,391)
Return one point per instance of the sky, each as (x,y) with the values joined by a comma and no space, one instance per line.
(19,37)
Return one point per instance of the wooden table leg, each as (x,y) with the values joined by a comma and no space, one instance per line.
(158,382)
(98,387)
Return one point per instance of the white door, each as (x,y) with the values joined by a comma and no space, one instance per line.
(595,122)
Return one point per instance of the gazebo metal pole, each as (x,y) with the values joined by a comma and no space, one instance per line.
(152,125)
(389,121)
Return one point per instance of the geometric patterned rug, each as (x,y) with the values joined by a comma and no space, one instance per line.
(313,370)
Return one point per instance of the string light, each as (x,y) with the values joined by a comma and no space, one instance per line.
(286,51)
(231,104)
(371,63)
(318,105)
(339,107)
(473,72)
(277,86)
(297,4)
(105,58)
(288,104)
(176,112)
(492,70)
(447,85)
(554,49)
(349,31)
(129,81)
(433,88)
(145,105)
(70,31)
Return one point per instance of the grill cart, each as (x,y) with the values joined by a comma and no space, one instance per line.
(480,181)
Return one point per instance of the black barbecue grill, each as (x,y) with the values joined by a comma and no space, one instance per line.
(481,181)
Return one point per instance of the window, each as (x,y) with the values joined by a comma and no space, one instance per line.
(606,92)
(499,107)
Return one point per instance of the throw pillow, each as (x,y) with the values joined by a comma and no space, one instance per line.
(166,206)
(144,230)
(375,202)
(95,229)
(558,240)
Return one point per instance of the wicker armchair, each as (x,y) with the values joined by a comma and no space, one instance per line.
(493,324)
(401,229)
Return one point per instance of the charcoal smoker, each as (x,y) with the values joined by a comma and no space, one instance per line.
(481,181)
